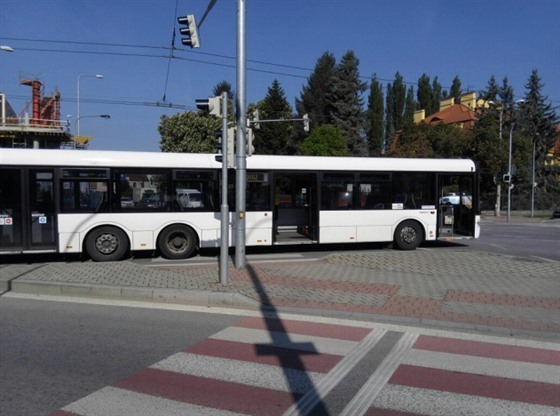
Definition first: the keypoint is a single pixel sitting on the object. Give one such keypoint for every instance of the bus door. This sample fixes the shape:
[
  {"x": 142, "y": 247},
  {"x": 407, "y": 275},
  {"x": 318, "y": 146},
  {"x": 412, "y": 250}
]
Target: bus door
[
  {"x": 296, "y": 214},
  {"x": 40, "y": 226},
  {"x": 11, "y": 211},
  {"x": 456, "y": 208}
]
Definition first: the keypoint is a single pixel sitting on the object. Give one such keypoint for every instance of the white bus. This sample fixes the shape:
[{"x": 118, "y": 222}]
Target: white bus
[{"x": 107, "y": 204}]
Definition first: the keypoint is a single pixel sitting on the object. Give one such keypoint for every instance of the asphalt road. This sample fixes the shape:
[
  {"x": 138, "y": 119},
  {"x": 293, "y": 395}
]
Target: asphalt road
[{"x": 52, "y": 353}]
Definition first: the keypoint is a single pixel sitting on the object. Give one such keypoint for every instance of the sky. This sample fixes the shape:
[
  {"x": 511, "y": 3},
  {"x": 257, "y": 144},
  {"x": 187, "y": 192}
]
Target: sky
[{"x": 59, "y": 42}]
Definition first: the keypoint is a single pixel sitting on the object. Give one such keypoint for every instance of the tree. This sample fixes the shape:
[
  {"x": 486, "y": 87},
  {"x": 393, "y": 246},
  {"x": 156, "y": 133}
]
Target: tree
[
  {"x": 399, "y": 97},
  {"x": 275, "y": 137},
  {"x": 389, "y": 116},
  {"x": 189, "y": 132},
  {"x": 346, "y": 103},
  {"x": 424, "y": 95},
  {"x": 455, "y": 90},
  {"x": 374, "y": 117},
  {"x": 492, "y": 90},
  {"x": 324, "y": 140},
  {"x": 436, "y": 95},
  {"x": 538, "y": 120},
  {"x": 409, "y": 109},
  {"x": 314, "y": 96}
]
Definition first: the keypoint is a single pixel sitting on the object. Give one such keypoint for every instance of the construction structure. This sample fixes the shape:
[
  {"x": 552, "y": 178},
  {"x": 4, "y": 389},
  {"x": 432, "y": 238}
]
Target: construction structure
[{"x": 39, "y": 129}]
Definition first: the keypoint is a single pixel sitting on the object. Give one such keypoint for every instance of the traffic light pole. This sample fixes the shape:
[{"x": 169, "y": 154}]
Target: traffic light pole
[
  {"x": 241, "y": 122},
  {"x": 224, "y": 234}
]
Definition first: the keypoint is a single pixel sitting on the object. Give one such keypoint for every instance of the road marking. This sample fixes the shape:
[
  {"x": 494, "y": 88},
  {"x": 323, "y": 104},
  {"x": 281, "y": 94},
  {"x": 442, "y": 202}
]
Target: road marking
[{"x": 371, "y": 389}]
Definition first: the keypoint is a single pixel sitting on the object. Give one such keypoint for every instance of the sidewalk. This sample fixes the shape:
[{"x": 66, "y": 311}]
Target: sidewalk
[{"x": 450, "y": 288}]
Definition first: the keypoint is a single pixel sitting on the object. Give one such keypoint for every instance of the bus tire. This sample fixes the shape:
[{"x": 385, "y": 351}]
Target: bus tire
[
  {"x": 409, "y": 235},
  {"x": 177, "y": 242},
  {"x": 106, "y": 244}
]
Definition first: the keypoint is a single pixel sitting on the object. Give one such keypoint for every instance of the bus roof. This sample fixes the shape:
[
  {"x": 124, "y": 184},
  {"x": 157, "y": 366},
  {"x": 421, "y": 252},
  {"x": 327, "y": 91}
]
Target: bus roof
[{"x": 104, "y": 158}]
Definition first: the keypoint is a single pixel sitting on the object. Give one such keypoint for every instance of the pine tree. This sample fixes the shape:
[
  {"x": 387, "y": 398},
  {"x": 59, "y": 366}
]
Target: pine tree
[
  {"x": 389, "y": 117},
  {"x": 346, "y": 103},
  {"x": 455, "y": 90},
  {"x": 539, "y": 121},
  {"x": 492, "y": 90},
  {"x": 375, "y": 115},
  {"x": 424, "y": 95},
  {"x": 409, "y": 108},
  {"x": 399, "y": 96},
  {"x": 313, "y": 97},
  {"x": 275, "y": 137},
  {"x": 436, "y": 95}
]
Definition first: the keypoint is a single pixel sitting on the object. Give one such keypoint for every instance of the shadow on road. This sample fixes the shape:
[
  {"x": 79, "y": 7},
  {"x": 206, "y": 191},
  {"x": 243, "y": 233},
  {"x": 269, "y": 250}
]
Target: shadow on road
[{"x": 289, "y": 355}]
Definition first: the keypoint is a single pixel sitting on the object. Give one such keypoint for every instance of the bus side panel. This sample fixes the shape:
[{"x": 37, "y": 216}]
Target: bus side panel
[
  {"x": 141, "y": 228},
  {"x": 371, "y": 225},
  {"x": 258, "y": 228}
]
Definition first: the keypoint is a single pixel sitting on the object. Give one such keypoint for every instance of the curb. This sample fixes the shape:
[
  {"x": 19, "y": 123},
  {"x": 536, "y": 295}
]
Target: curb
[{"x": 176, "y": 296}]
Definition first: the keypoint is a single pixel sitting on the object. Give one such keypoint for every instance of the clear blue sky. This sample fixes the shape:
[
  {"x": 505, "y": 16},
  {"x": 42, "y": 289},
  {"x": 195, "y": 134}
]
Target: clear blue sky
[{"x": 471, "y": 39}]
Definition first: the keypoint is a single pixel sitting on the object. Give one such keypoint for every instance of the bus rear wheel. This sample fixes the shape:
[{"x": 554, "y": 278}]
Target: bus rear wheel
[
  {"x": 106, "y": 244},
  {"x": 408, "y": 235},
  {"x": 177, "y": 242}
]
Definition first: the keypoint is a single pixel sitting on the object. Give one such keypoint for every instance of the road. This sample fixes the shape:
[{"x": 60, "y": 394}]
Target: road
[
  {"x": 114, "y": 360},
  {"x": 52, "y": 353}
]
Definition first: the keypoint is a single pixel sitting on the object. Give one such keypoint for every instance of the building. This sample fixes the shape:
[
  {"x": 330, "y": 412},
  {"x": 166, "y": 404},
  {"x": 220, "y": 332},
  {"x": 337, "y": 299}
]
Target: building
[{"x": 40, "y": 129}]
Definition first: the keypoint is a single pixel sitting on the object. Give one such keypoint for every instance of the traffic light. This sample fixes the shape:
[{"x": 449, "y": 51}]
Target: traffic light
[
  {"x": 306, "y": 122},
  {"x": 211, "y": 105},
  {"x": 230, "y": 147},
  {"x": 189, "y": 30},
  {"x": 507, "y": 178}
]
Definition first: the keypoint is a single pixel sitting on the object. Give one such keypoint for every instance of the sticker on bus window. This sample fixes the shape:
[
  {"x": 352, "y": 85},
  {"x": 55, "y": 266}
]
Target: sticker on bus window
[
  {"x": 398, "y": 206},
  {"x": 42, "y": 220},
  {"x": 6, "y": 220}
]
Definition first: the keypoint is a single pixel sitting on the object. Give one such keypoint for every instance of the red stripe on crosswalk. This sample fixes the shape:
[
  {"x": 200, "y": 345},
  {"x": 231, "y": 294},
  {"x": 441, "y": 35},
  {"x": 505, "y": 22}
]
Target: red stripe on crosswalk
[
  {"x": 63, "y": 413},
  {"x": 209, "y": 392},
  {"x": 266, "y": 354},
  {"x": 305, "y": 328},
  {"x": 487, "y": 349},
  {"x": 478, "y": 385}
]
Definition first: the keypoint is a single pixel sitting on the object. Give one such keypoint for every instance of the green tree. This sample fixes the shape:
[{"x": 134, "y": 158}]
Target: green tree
[
  {"x": 455, "y": 90},
  {"x": 188, "y": 132},
  {"x": 399, "y": 97},
  {"x": 538, "y": 122},
  {"x": 324, "y": 140},
  {"x": 314, "y": 96},
  {"x": 409, "y": 109},
  {"x": 274, "y": 138},
  {"x": 389, "y": 116},
  {"x": 346, "y": 103},
  {"x": 424, "y": 95},
  {"x": 437, "y": 95},
  {"x": 374, "y": 117}
]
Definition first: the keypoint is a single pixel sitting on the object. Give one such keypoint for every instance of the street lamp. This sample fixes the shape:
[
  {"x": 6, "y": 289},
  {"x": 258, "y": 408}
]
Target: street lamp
[
  {"x": 106, "y": 116},
  {"x": 78, "y": 98}
]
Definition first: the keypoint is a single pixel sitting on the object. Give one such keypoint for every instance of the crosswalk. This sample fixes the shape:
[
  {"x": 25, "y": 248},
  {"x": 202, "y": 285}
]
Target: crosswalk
[{"x": 270, "y": 366}]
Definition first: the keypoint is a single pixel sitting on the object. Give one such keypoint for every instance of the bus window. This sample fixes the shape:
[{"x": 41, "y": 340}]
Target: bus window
[
  {"x": 194, "y": 190},
  {"x": 84, "y": 196},
  {"x": 413, "y": 190},
  {"x": 258, "y": 192},
  {"x": 337, "y": 191},
  {"x": 141, "y": 190}
]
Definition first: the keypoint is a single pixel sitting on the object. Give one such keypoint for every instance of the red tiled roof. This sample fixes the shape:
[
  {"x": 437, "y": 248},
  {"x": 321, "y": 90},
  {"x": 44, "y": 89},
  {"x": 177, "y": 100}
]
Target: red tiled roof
[{"x": 457, "y": 113}]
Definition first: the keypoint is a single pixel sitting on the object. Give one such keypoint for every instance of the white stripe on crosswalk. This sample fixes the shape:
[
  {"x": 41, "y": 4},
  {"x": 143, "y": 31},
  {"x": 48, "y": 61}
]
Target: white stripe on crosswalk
[
  {"x": 435, "y": 402},
  {"x": 112, "y": 401},
  {"x": 518, "y": 370},
  {"x": 242, "y": 372},
  {"x": 279, "y": 339}
]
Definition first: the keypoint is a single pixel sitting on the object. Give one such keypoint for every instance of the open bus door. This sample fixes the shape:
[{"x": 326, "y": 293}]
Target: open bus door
[
  {"x": 296, "y": 214},
  {"x": 456, "y": 206},
  {"x": 27, "y": 211}
]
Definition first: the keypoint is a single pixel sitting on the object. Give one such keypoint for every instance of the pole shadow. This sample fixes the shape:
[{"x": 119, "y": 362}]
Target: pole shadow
[{"x": 289, "y": 353}]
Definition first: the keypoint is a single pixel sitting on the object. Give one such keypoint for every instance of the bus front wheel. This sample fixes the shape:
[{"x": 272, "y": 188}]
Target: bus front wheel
[
  {"x": 106, "y": 244},
  {"x": 177, "y": 242},
  {"x": 408, "y": 235}
]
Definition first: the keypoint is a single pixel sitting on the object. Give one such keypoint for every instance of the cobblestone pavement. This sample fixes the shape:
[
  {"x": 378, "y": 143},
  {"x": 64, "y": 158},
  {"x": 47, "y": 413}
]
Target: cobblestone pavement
[{"x": 436, "y": 287}]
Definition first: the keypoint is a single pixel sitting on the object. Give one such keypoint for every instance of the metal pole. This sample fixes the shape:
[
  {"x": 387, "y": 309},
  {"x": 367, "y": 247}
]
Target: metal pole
[
  {"x": 241, "y": 154},
  {"x": 533, "y": 183},
  {"x": 499, "y": 186},
  {"x": 509, "y": 173},
  {"x": 224, "y": 236}
]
